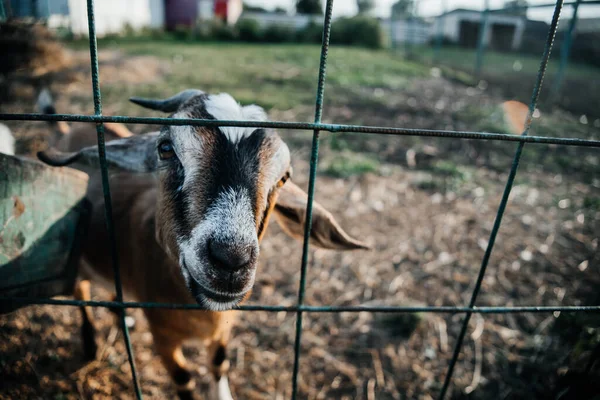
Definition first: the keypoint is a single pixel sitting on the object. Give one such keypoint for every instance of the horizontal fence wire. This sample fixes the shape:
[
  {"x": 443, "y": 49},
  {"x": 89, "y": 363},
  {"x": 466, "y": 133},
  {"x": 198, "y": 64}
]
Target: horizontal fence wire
[
  {"x": 316, "y": 127},
  {"x": 334, "y": 128},
  {"x": 305, "y": 308}
]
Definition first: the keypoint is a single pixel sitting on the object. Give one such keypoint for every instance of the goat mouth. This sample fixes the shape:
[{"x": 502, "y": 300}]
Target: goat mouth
[{"x": 201, "y": 293}]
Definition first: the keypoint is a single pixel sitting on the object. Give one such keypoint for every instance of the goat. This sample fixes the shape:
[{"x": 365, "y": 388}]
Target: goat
[{"x": 190, "y": 207}]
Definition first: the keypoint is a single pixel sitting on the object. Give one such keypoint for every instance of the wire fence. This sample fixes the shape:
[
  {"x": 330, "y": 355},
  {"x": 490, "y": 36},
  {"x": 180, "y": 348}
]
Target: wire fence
[{"x": 317, "y": 126}]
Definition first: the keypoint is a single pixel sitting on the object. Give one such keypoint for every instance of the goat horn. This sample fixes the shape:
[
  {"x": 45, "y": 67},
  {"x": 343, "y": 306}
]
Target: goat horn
[
  {"x": 57, "y": 158},
  {"x": 167, "y": 105}
]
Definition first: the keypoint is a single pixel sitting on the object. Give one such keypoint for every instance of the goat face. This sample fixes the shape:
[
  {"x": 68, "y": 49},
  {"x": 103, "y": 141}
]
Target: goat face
[
  {"x": 217, "y": 190},
  {"x": 218, "y": 187}
]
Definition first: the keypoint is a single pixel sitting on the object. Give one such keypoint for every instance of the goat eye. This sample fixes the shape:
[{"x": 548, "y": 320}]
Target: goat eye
[
  {"x": 165, "y": 150},
  {"x": 283, "y": 180}
]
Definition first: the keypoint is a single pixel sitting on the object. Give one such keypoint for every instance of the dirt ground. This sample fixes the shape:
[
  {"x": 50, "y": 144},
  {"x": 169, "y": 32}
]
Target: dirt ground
[{"x": 429, "y": 229}]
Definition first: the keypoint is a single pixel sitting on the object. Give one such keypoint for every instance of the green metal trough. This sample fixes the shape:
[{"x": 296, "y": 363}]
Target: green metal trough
[{"x": 43, "y": 219}]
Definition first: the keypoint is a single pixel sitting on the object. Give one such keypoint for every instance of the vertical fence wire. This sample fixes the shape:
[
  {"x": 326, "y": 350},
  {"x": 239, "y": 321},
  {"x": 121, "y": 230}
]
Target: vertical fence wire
[
  {"x": 481, "y": 39},
  {"x": 507, "y": 189},
  {"x": 441, "y": 25},
  {"x": 407, "y": 37},
  {"x": 106, "y": 190},
  {"x": 565, "y": 52},
  {"x": 314, "y": 158},
  {"x": 410, "y": 30},
  {"x": 392, "y": 31}
]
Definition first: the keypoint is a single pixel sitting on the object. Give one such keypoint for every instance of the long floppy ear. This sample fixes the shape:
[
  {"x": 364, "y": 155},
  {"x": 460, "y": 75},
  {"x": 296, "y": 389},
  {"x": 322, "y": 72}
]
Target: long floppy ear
[
  {"x": 326, "y": 232},
  {"x": 135, "y": 153},
  {"x": 167, "y": 105}
]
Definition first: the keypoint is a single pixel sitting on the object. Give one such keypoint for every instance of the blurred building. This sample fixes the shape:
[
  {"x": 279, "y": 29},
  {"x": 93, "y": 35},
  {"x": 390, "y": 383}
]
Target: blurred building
[
  {"x": 411, "y": 30},
  {"x": 297, "y": 21},
  {"x": 188, "y": 12},
  {"x": 36, "y": 8},
  {"x": 585, "y": 45},
  {"x": 113, "y": 16},
  {"x": 462, "y": 27},
  {"x": 583, "y": 25},
  {"x": 180, "y": 13},
  {"x": 228, "y": 10},
  {"x": 534, "y": 37}
]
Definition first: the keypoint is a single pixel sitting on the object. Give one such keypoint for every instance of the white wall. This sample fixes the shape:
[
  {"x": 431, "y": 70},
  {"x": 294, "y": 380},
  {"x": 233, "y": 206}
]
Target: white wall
[
  {"x": 451, "y": 25},
  {"x": 234, "y": 11},
  {"x": 206, "y": 9},
  {"x": 401, "y": 31},
  {"x": 111, "y": 16},
  {"x": 293, "y": 21}
]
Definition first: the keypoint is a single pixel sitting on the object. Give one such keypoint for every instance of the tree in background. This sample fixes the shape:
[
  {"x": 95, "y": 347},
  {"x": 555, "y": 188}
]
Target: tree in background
[
  {"x": 309, "y": 7},
  {"x": 516, "y": 3},
  {"x": 403, "y": 9},
  {"x": 280, "y": 10},
  {"x": 365, "y": 6}
]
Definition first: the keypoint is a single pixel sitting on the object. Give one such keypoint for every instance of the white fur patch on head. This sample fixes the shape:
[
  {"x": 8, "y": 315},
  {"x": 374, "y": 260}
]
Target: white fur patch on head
[
  {"x": 277, "y": 164},
  {"x": 188, "y": 146},
  {"x": 223, "y": 107},
  {"x": 230, "y": 218}
]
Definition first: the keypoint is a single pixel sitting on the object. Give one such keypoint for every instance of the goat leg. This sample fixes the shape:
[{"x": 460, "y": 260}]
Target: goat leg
[{"x": 88, "y": 330}]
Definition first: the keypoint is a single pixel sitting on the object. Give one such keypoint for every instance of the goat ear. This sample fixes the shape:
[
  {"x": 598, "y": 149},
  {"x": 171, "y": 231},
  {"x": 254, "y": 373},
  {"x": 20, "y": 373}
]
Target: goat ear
[
  {"x": 326, "y": 233},
  {"x": 136, "y": 153}
]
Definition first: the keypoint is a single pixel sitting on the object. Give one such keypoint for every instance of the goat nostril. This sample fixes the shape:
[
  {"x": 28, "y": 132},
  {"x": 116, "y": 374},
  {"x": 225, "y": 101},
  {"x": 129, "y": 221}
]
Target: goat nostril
[{"x": 228, "y": 256}]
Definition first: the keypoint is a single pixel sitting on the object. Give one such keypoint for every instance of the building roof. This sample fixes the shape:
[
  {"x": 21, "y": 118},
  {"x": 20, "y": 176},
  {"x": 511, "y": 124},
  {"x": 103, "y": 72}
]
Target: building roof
[
  {"x": 458, "y": 10},
  {"x": 496, "y": 13}
]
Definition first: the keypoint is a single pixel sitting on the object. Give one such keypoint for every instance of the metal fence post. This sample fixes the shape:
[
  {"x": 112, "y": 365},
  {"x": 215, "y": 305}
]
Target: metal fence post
[
  {"x": 565, "y": 51},
  {"x": 314, "y": 158},
  {"x": 481, "y": 40},
  {"x": 505, "y": 196},
  {"x": 407, "y": 35},
  {"x": 410, "y": 27},
  {"x": 441, "y": 21},
  {"x": 106, "y": 189},
  {"x": 392, "y": 31}
]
